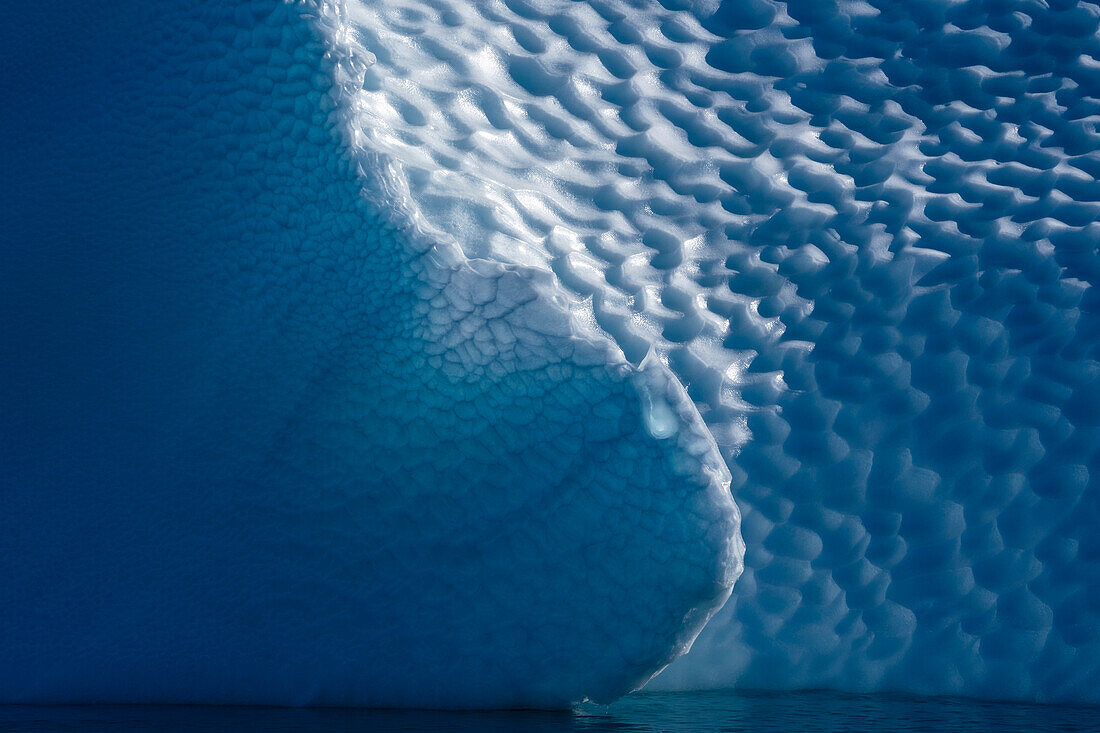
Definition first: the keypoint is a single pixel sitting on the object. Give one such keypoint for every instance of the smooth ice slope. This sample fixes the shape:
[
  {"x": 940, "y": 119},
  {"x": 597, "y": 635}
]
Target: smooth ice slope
[
  {"x": 263, "y": 441},
  {"x": 864, "y": 237}
]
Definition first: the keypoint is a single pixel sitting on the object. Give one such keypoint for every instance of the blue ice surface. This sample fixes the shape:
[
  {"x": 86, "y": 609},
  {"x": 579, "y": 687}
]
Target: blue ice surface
[
  {"x": 264, "y": 443},
  {"x": 863, "y": 236},
  {"x": 261, "y": 446}
]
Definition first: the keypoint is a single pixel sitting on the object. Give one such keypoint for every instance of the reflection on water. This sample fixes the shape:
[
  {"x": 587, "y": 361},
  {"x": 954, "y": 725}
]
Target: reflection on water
[{"x": 642, "y": 713}]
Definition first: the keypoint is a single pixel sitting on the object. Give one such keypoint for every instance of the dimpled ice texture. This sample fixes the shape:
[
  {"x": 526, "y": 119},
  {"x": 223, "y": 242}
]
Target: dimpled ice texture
[
  {"x": 863, "y": 235},
  {"x": 397, "y": 352}
]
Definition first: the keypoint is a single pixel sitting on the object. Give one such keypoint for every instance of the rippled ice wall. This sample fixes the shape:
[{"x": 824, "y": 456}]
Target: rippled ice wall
[
  {"x": 863, "y": 236},
  {"x": 263, "y": 442},
  {"x": 403, "y": 353}
]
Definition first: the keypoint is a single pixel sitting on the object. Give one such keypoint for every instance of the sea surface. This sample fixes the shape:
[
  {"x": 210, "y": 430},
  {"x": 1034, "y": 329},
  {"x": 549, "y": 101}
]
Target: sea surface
[{"x": 642, "y": 713}]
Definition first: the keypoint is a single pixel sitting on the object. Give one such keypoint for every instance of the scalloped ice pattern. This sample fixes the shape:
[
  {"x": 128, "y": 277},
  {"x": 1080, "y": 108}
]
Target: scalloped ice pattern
[
  {"x": 863, "y": 235},
  {"x": 265, "y": 442}
]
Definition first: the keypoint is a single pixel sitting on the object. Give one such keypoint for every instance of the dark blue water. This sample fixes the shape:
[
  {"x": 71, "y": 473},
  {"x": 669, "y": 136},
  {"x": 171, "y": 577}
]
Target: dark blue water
[{"x": 642, "y": 713}]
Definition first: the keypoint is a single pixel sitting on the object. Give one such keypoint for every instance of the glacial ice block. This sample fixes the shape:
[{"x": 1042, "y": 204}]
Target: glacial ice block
[
  {"x": 863, "y": 235},
  {"x": 265, "y": 441}
]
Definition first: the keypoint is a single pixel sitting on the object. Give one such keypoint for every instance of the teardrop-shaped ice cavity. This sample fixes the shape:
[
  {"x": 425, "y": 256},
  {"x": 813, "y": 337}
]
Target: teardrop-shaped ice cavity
[{"x": 268, "y": 440}]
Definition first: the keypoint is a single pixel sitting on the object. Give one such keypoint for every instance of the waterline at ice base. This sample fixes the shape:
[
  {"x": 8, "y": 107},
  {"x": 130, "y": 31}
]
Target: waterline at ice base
[{"x": 476, "y": 354}]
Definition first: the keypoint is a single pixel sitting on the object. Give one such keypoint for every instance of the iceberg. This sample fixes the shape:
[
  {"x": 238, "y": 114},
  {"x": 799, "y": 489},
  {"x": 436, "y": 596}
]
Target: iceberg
[{"x": 450, "y": 354}]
